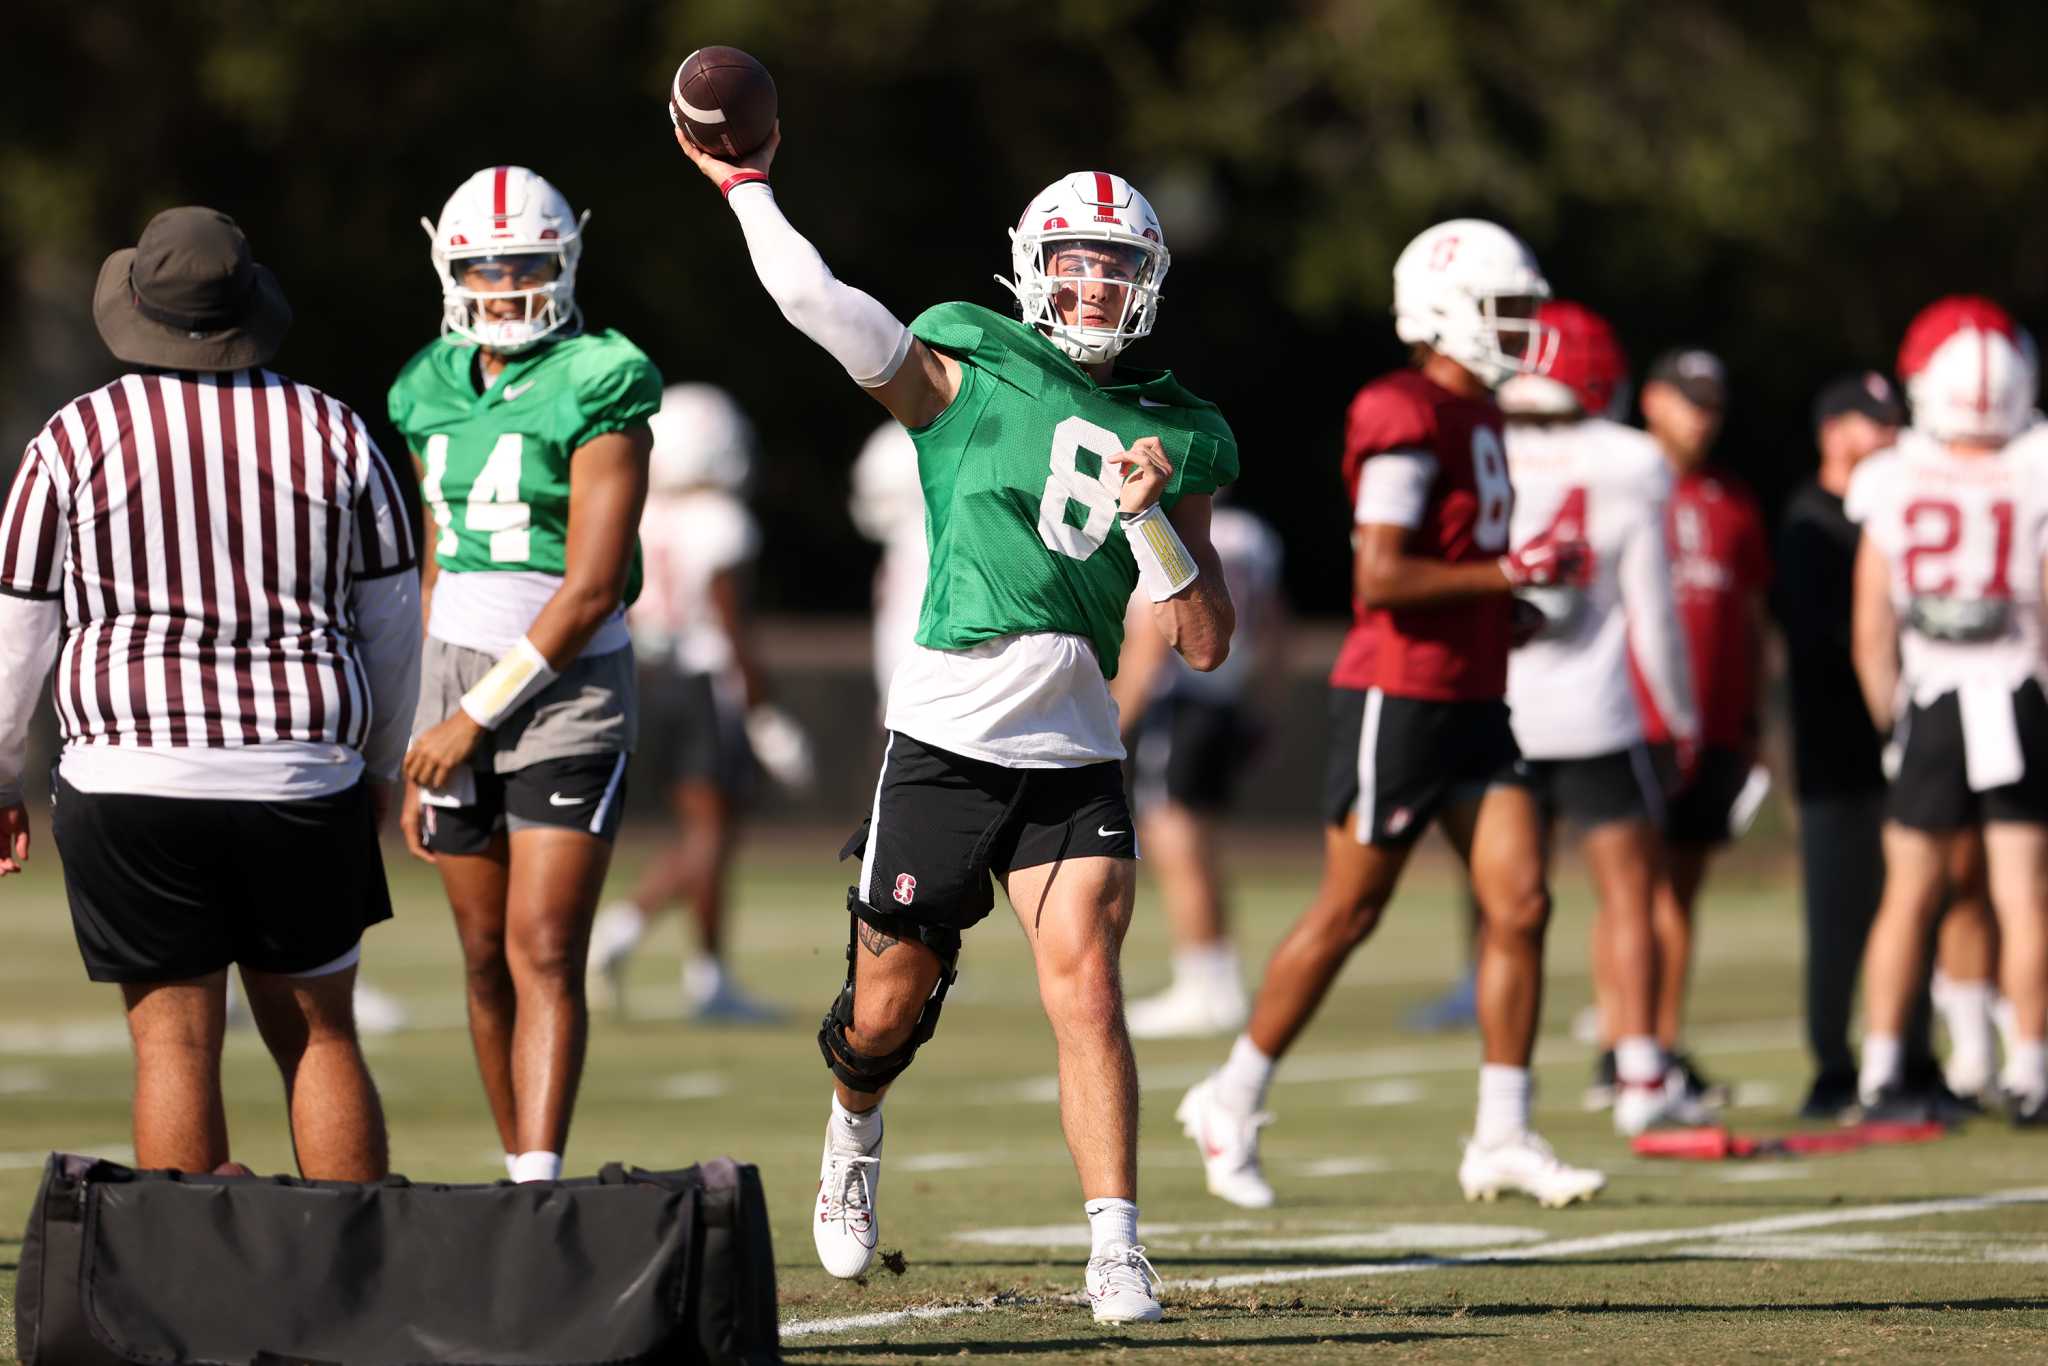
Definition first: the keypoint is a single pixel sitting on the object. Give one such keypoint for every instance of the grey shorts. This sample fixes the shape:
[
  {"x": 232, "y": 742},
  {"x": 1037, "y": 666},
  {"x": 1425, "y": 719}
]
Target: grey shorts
[{"x": 591, "y": 709}]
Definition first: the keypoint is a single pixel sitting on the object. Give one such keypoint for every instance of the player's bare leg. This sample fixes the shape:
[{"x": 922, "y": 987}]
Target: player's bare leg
[
  {"x": 1965, "y": 988},
  {"x": 1622, "y": 858},
  {"x": 1685, "y": 868},
  {"x": 1501, "y": 839},
  {"x": 476, "y": 886},
  {"x": 1894, "y": 960},
  {"x": 1207, "y": 992},
  {"x": 177, "y": 1029},
  {"x": 1075, "y": 914},
  {"x": 2017, "y": 854},
  {"x": 556, "y": 876},
  {"x": 308, "y": 1024}
]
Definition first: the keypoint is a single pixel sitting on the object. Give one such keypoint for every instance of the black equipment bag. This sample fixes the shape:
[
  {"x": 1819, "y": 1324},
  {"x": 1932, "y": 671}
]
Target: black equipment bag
[{"x": 122, "y": 1266}]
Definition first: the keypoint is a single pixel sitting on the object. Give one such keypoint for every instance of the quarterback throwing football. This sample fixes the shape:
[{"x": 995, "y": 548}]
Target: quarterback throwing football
[
  {"x": 1055, "y": 482},
  {"x": 531, "y": 438}
]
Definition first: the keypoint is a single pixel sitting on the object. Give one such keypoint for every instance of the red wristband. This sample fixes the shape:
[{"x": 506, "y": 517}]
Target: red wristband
[{"x": 739, "y": 178}]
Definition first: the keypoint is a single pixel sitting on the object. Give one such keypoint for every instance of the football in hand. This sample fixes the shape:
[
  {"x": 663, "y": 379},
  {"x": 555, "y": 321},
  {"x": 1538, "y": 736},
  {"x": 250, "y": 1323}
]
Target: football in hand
[{"x": 724, "y": 100}]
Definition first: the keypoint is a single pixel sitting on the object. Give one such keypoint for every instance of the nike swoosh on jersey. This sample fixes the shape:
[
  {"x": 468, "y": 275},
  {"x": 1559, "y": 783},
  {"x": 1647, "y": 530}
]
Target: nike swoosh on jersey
[
  {"x": 513, "y": 391},
  {"x": 1106, "y": 832},
  {"x": 557, "y": 799}
]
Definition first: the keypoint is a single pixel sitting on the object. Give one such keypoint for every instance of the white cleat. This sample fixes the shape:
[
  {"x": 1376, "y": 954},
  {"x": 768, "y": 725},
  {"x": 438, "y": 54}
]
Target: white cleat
[
  {"x": 1638, "y": 1107},
  {"x": 843, "y": 1226},
  {"x": 1188, "y": 1010},
  {"x": 1229, "y": 1141},
  {"x": 1525, "y": 1165},
  {"x": 1121, "y": 1285}
]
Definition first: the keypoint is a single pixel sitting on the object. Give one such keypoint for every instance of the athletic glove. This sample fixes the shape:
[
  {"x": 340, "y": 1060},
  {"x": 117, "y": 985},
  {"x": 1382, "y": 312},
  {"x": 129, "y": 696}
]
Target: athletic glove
[{"x": 1544, "y": 563}]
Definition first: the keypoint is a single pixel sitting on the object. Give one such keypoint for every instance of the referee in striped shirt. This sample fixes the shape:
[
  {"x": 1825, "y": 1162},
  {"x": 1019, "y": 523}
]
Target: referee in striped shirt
[{"x": 222, "y": 568}]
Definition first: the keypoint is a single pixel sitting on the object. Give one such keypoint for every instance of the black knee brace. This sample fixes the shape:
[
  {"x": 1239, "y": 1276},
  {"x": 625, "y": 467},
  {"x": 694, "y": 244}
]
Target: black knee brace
[{"x": 870, "y": 1072}]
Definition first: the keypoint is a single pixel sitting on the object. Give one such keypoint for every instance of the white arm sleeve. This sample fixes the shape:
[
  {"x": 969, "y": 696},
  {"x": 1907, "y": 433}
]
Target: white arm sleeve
[
  {"x": 29, "y": 628},
  {"x": 387, "y": 616},
  {"x": 859, "y": 333},
  {"x": 1651, "y": 611},
  {"x": 1393, "y": 488}
]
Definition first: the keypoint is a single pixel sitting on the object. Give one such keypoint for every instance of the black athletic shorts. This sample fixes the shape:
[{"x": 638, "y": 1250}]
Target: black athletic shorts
[
  {"x": 1699, "y": 812},
  {"x": 1623, "y": 785},
  {"x": 944, "y": 825},
  {"x": 1398, "y": 760},
  {"x": 167, "y": 888},
  {"x": 585, "y": 792},
  {"x": 1932, "y": 788},
  {"x": 1192, "y": 752},
  {"x": 689, "y": 732}
]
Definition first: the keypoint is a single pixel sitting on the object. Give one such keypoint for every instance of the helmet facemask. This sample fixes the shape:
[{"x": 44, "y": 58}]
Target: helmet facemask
[
  {"x": 542, "y": 285},
  {"x": 1092, "y": 295}
]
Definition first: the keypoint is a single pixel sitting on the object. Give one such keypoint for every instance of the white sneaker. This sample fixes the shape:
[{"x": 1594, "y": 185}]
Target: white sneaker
[
  {"x": 378, "y": 1012},
  {"x": 1189, "y": 1009},
  {"x": 715, "y": 997},
  {"x": 1229, "y": 1140},
  {"x": 1120, "y": 1286},
  {"x": 844, "y": 1228},
  {"x": 1526, "y": 1165},
  {"x": 1638, "y": 1107}
]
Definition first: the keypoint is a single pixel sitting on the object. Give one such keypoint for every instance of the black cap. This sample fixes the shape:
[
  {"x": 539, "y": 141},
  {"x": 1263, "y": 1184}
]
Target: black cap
[
  {"x": 1696, "y": 373},
  {"x": 1866, "y": 392}
]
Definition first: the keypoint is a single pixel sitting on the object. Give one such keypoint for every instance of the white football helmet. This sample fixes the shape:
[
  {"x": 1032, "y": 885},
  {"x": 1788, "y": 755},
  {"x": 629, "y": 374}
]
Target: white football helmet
[
  {"x": 1970, "y": 371},
  {"x": 1448, "y": 287},
  {"x": 1102, "y": 211},
  {"x": 504, "y": 212},
  {"x": 888, "y": 493},
  {"x": 701, "y": 439}
]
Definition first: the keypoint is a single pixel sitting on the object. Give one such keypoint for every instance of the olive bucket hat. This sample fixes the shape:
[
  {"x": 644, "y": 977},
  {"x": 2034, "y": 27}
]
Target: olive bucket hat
[{"x": 189, "y": 296}]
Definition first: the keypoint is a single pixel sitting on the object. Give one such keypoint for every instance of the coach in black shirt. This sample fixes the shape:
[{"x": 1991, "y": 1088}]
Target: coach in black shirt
[{"x": 1840, "y": 769}]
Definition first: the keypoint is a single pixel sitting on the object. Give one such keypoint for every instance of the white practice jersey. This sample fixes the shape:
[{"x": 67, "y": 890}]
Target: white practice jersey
[
  {"x": 888, "y": 507},
  {"x": 686, "y": 540},
  {"x": 1249, "y": 550},
  {"x": 1965, "y": 537},
  {"x": 1569, "y": 689}
]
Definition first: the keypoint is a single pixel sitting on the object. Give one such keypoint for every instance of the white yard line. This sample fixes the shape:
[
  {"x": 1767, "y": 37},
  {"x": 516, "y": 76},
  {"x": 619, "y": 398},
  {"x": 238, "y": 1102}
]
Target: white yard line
[{"x": 1562, "y": 1247}]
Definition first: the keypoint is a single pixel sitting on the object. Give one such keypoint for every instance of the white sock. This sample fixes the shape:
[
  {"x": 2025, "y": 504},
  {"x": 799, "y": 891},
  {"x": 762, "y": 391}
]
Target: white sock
[
  {"x": 2026, "y": 1068},
  {"x": 1112, "y": 1226},
  {"x": 703, "y": 977},
  {"x": 512, "y": 1165},
  {"x": 1973, "y": 1040},
  {"x": 1638, "y": 1061},
  {"x": 1503, "y": 1104},
  {"x": 1245, "y": 1076},
  {"x": 537, "y": 1166},
  {"x": 1203, "y": 964},
  {"x": 617, "y": 930},
  {"x": 1884, "y": 1061},
  {"x": 862, "y": 1130}
]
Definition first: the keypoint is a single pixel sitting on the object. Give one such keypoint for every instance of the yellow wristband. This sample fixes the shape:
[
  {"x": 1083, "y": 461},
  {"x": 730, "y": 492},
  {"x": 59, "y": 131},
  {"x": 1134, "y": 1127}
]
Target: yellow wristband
[{"x": 1164, "y": 565}]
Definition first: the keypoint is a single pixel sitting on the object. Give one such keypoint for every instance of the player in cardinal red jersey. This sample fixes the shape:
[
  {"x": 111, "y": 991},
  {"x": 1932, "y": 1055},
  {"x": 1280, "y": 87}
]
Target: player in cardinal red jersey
[
  {"x": 1579, "y": 473},
  {"x": 1420, "y": 730},
  {"x": 1949, "y": 647},
  {"x": 1720, "y": 569}
]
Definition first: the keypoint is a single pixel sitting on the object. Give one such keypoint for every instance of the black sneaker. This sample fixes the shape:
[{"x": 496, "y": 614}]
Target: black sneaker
[
  {"x": 1831, "y": 1097},
  {"x": 2025, "y": 1112},
  {"x": 1600, "y": 1094},
  {"x": 1896, "y": 1105},
  {"x": 1697, "y": 1087}
]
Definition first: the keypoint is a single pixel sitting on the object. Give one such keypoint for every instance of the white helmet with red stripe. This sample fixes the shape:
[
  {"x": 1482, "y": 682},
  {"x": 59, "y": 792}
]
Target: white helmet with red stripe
[
  {"x": 1088, "y": 225},
  {"x": 508, "y": 214},
  {"x": 1468, "y": 288},
  {"x": 1970, "y": 370},
  {"x": 701, "y": 440}
]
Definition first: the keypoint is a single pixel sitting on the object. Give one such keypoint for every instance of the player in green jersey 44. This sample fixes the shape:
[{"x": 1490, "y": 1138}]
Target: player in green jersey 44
[{"x": 1056, "y": 482}]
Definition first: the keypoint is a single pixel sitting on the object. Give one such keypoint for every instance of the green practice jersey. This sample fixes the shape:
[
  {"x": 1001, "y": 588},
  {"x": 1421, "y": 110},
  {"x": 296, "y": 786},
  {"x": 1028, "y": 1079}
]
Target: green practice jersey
[
  {"x": 1020, "y": 496},
  {"x": 497, "y": 462}
]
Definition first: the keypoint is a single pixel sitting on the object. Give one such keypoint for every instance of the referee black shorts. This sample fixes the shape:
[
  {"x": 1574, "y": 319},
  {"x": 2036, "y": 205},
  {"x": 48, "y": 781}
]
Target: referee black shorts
[{"x": 167, "y": 888}]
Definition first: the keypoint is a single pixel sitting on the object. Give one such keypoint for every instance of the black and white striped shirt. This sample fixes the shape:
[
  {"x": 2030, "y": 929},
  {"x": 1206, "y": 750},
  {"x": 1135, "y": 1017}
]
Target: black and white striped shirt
[{"x": 211, "y": 539}]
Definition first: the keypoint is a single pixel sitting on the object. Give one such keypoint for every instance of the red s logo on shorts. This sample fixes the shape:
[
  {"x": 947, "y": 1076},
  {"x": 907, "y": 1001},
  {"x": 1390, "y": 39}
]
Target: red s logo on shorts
[{"x": 906, "y": 888}]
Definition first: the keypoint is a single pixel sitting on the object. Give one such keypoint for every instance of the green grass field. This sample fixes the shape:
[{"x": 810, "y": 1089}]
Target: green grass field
[{"x": 1931, "y": 1252}]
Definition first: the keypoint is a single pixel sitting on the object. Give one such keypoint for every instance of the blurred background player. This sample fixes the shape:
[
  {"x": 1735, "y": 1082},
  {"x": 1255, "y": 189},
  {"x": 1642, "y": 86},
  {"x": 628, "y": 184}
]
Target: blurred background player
[
  {"x": 531, "y": 439},
  {"x": 1580, "y": 475},
  {"x": 887, "y": 505},
  {"x": 1949, "y": 646},
  {"x": 701, "y": 694},
  {"x": 1192, "y": 735},
  {"x": 1720, "y": 570},
  {"x": 1419, "y": 725},
  {"x": 1059, "y": 482}
]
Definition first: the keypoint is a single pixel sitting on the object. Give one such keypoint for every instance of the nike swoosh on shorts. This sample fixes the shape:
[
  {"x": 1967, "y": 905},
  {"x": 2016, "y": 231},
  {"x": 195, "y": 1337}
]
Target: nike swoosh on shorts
[{"x": 557, "y": 799}]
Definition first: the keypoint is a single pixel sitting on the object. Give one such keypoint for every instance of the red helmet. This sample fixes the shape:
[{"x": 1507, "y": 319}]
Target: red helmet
[
  {"x": 1969, "y": 370},
  {"x": 1588, "y": 373}
]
